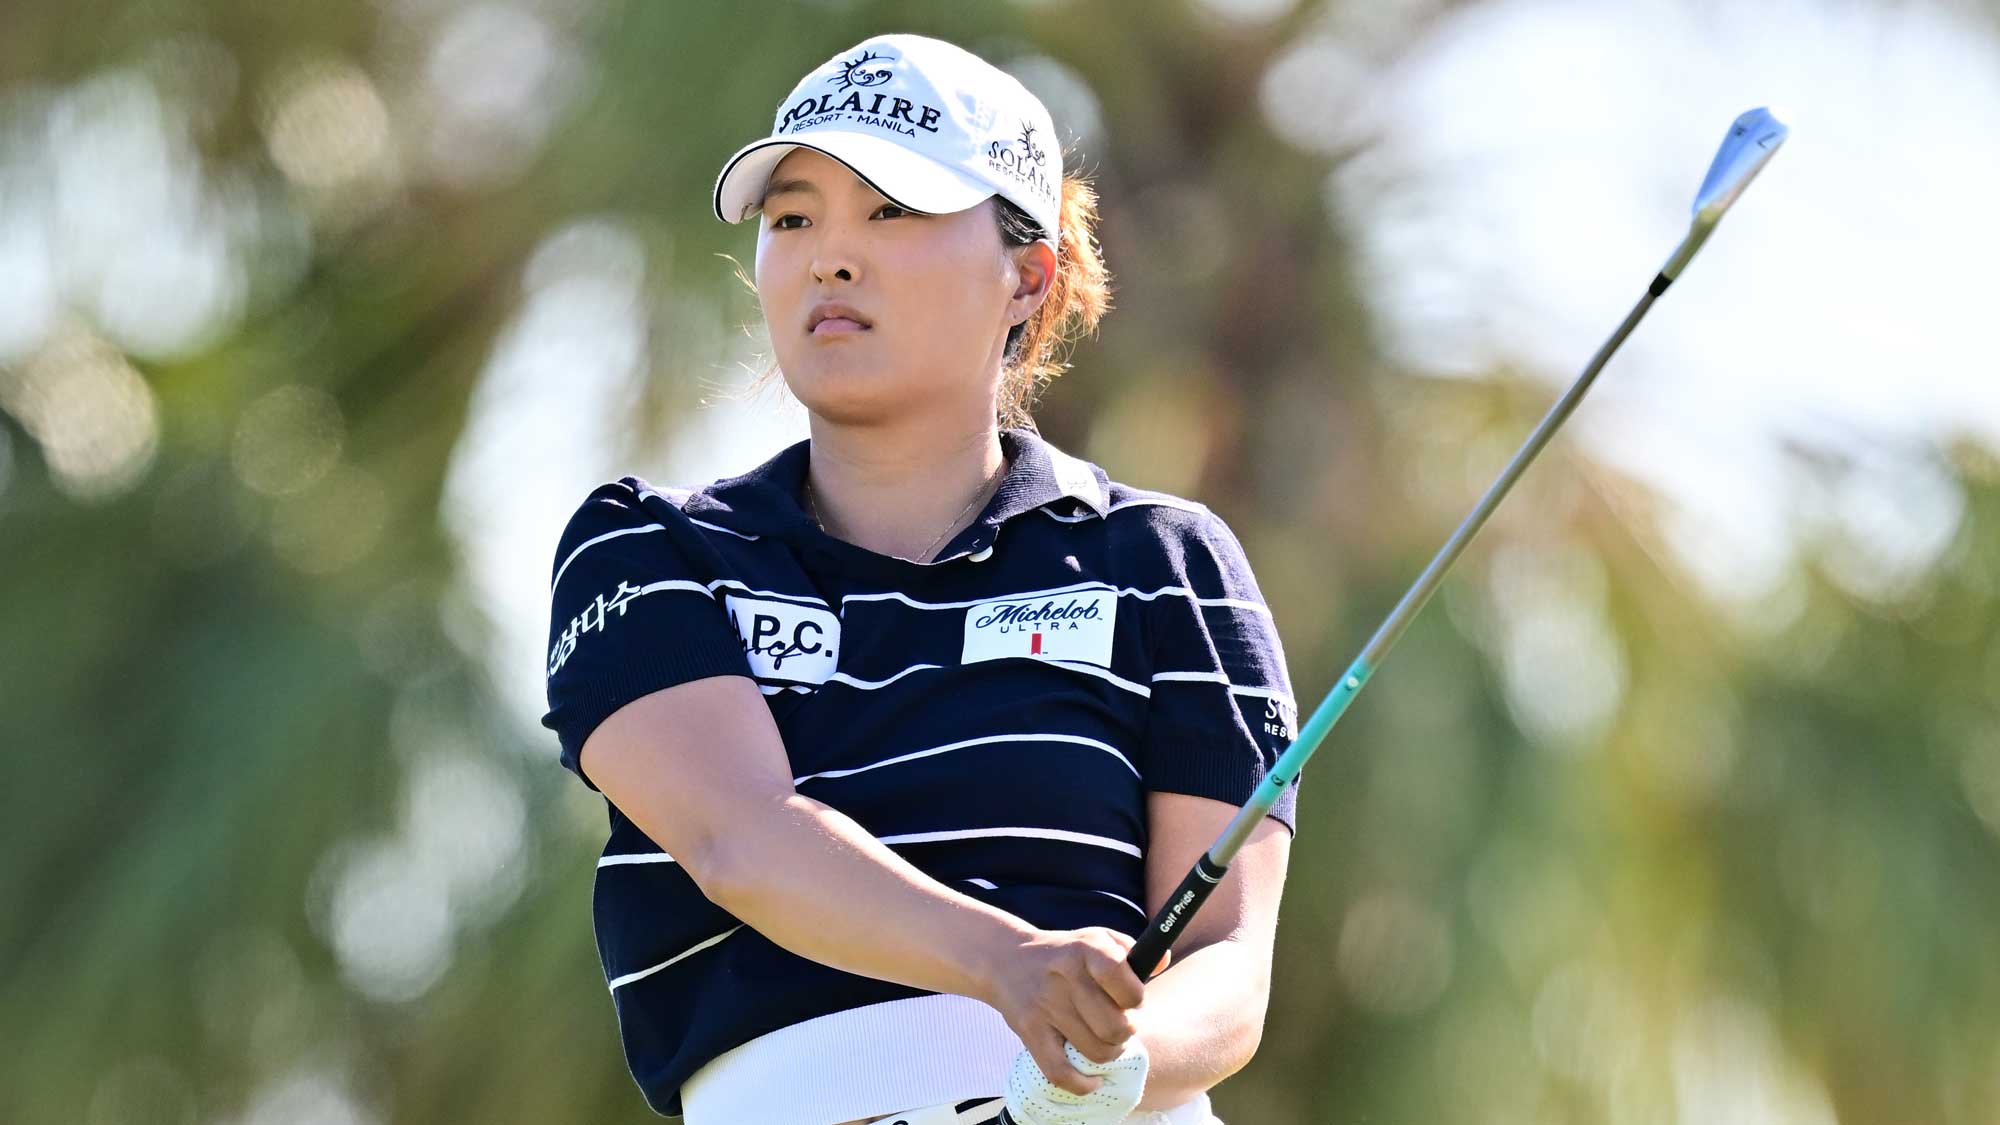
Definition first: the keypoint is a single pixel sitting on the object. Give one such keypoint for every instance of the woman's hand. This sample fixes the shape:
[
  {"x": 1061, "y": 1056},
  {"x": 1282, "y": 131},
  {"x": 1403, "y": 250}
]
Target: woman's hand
[
  {"x": 1068, "y": 985},
  {"x": 1031, "y": 1100}
]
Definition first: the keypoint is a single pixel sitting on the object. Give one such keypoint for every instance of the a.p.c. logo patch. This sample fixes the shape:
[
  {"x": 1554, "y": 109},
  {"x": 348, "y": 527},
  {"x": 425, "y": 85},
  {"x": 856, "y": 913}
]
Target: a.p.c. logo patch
[{"x": 785, "y": 640}]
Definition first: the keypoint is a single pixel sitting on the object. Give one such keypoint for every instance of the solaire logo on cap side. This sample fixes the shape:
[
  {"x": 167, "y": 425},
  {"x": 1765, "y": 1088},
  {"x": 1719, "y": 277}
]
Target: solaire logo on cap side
[
  {"x": 1023, "y": 160},
  {"x": 855, "y": 72},
  {"x": 882, "y": 110}
]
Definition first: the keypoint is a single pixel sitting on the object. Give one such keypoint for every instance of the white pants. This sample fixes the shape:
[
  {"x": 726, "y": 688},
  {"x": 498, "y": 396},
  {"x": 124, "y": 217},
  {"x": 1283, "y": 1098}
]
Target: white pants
[{"x": 1196, "y": 1112}]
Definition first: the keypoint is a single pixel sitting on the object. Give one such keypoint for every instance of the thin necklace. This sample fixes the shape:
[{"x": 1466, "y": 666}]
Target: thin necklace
[{"x": 983, "y": 485}]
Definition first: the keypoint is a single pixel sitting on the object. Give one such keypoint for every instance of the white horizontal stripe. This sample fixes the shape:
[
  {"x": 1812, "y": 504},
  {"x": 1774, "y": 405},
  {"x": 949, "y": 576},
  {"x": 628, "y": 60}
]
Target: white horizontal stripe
[
  {"x": 642, "y": 974},
  {"x": 724, "y": 530},
  {"x": 1262, "y": 692},
  {"x": 634, "y": 857},
  {"x": 806, "y": 599},
  {"x": 642, "y": 493},
  {"x": 987, "y": 740},
  {"x": 1235, "y": 603},
  {"x": 1107, "y": 894},
  {"x": 1232, "y": 603},
  {"x": 675, "y": 584},
  {"x": 775, "y": 689},
  {"x": 1161, "y": 501},
  {"x": 927, "y": 838},
  {"x": 1073, "y": 665},
  {"x": 1104, "y": 674},
  {"x": 589, "y": 543},
  {"x": 1192, "y": 677},
  {"x": 1073, "y": 588},
  {"x": 1137, "y": 502},
  {"x": 871, "y": 685},
  {"x": 898, "y": 596},
  {"x": 1219, "y": 678},
  {"x": 1126, "y": 901},
  {"x": 1015, "y": 833}
]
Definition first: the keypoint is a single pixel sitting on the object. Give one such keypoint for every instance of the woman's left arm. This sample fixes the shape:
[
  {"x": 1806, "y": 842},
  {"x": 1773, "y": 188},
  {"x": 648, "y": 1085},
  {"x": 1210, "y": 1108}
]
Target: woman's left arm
[{"x": 1204, "y": 1016}]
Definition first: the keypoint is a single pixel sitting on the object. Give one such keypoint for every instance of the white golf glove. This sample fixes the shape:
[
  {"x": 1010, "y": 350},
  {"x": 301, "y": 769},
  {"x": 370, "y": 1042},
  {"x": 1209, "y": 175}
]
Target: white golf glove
[{"x": 1034, "y": 1100}]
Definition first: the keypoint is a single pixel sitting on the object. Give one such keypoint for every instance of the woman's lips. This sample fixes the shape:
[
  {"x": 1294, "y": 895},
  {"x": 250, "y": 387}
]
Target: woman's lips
[{"x": 835, "y": 318}]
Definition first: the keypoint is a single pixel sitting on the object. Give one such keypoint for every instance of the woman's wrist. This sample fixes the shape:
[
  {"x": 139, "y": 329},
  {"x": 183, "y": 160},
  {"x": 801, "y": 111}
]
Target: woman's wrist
[{"x": 995, "y": 947}]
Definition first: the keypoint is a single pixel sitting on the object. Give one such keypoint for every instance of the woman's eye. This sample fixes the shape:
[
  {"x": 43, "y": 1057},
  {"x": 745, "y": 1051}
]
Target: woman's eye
[{"x": 795, "y": 221}]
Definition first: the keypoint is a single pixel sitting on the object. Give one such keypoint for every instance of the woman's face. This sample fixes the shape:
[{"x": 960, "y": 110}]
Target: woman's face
[{"x": 926, "y": 300}]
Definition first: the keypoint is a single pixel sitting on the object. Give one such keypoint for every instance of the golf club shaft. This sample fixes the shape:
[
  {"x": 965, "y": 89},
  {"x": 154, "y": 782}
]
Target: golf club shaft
[
  {"x": 1208, "y": 871},
  {"x": 1751, "y": 141}
]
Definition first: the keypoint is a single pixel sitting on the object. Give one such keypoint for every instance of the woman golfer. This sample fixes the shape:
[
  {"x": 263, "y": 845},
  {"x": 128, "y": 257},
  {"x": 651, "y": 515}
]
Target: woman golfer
[{"x": 906, "y": 731}]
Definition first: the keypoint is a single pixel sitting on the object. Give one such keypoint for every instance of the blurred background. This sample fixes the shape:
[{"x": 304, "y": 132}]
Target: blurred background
[{"x": 1680, "y": 804}]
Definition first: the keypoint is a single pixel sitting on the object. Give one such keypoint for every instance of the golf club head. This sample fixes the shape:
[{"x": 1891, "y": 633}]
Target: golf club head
[{"x": 1752, "y": 138}]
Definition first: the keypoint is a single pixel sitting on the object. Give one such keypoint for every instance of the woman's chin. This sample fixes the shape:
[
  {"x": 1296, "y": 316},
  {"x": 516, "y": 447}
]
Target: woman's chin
[{"x": 849, "y": 394}]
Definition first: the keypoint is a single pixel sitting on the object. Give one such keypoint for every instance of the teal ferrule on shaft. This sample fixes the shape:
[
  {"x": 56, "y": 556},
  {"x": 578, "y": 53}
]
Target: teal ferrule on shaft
[{"x": 1286, "y": 769}]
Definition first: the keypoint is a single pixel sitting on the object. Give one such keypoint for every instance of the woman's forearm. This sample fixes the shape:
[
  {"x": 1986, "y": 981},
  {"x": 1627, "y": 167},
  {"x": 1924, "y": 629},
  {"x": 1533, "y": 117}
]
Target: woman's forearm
[
  {"x": 1202, "y": 1020},
  {"x": 810, "y": 879}
]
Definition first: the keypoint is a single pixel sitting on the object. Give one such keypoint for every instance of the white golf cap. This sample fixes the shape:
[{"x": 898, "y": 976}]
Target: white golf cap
[{"x": 930, "y": 125}]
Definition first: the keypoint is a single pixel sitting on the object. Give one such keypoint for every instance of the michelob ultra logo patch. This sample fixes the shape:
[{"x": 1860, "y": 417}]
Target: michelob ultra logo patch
[
  {"x": 785, "y": 640},
  {"x": 1070, "y": 626}
]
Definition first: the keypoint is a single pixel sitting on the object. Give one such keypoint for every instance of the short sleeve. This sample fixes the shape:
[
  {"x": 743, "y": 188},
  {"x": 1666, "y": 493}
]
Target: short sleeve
[
  {"x": 1221, "y": 709},
  {"x": 630, "y": 613}
]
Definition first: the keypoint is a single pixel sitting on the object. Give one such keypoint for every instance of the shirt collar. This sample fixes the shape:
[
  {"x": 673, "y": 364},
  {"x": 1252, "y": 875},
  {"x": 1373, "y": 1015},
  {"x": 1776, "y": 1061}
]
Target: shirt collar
[{"x": 766, "y": 500}]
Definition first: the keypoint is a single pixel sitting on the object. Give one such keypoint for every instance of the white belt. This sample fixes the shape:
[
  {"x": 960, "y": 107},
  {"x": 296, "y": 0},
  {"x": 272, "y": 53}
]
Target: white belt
[
  {"x": 1196, "y": 1112},
  {"x": 838, "y": 1067}
]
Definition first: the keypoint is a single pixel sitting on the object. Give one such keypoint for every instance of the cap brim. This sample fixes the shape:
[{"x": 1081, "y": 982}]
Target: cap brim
[{"x": 900, "y": 175}]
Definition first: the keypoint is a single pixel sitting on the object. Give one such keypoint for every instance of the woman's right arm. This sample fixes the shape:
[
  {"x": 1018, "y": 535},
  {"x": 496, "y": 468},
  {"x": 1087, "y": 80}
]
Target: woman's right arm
[{"x": 701, "y": 769}]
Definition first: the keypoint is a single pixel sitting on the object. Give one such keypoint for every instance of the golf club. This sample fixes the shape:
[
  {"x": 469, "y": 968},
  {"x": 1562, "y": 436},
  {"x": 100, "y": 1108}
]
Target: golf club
[{"x": 1753, "y": 137}]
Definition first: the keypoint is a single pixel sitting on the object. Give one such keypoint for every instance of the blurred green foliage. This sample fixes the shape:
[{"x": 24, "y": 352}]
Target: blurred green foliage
[{"x": 1605, "y": 844}]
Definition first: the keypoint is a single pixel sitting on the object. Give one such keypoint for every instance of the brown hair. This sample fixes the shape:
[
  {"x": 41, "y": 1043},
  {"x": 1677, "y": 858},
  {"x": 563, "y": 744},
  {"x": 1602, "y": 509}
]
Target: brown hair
[
  {"x": 1038, "y": 348},
  {"x": 1079, "y": 294}
]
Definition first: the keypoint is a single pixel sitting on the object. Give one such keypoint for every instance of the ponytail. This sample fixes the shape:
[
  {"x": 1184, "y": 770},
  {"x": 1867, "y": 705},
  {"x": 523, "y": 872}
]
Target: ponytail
[{"x": 1038, "y": 348}]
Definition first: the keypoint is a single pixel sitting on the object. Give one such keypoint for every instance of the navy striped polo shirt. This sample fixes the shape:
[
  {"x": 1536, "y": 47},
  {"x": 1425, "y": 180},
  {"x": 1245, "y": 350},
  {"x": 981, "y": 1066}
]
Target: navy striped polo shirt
[{"x": 996, "y": 716}]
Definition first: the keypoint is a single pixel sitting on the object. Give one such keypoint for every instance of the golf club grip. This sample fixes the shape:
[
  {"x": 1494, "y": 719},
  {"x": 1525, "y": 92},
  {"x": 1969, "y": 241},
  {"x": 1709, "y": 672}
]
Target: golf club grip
[{"x": 1152, "y": 946}]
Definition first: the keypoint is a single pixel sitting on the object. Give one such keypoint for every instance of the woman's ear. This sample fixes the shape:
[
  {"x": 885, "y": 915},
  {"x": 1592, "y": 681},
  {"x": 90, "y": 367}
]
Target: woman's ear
[{"x": 1034, "y": 273}]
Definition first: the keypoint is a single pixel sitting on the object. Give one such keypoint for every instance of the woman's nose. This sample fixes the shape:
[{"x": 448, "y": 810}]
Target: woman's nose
[
  {"x": 833, "y": 259},
  {"x": 824, "y": 268}
]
